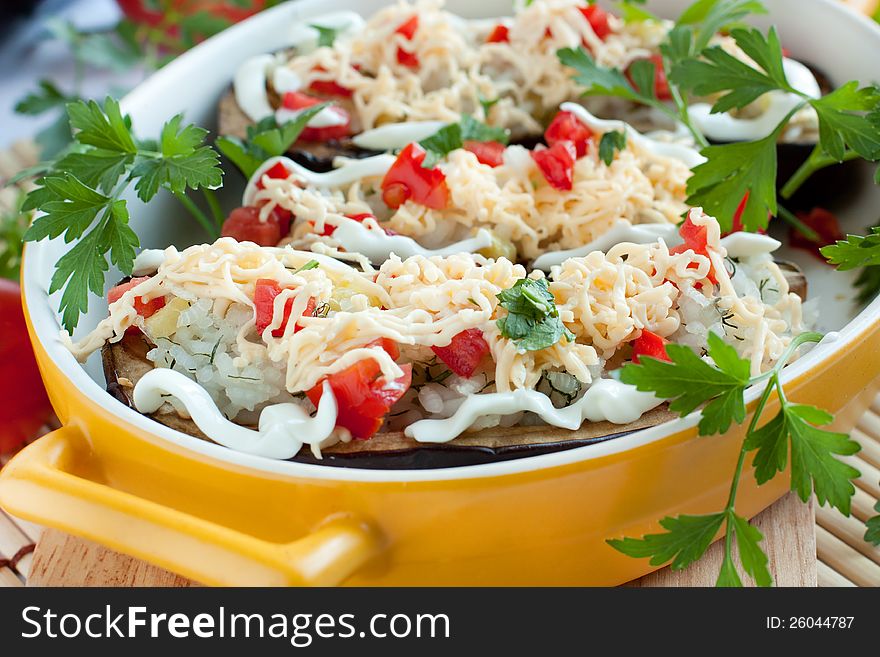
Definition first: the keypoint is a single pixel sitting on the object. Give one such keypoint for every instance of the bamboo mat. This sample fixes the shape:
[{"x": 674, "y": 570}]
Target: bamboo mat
[{"x": 845, "y": 559}]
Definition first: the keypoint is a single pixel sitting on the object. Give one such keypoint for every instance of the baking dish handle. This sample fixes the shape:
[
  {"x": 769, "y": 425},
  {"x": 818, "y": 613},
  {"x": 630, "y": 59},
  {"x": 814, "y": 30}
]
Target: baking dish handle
[{"x": 38, "y": 485}]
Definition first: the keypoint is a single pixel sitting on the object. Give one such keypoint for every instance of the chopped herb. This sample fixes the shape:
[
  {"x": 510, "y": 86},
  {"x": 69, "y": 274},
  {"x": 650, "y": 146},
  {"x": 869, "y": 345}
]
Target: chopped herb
[
  {"x": 452, "y": 137},
  {"x": 610, "y": 143},
  {"x": 326, "y": 35},
  {"x": 532, "y": 319},
  {"x": 311, "y": 264}
]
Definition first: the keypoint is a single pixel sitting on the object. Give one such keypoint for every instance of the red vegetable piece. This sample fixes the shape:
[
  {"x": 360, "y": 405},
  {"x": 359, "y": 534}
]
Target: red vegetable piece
[
  {"x": 490, "y": 153},
  {"x": 826, "y": 227},
  {"x": 265, "y": 291},
  {"x": 408, "y": 30},
  {"x": 143, "y": 308},
  {"x": 244, "y": 225},
  {"x": 557, "y": 164},
  {"x": 649, "y": 344},
  {"x": 565, "y": 126},
  {"x": 598, "y": 19},
  {"x": 696, "y": 239},
  {"x": 464, "y": 353},
  {"x": 408, "y": 180},
  {"x": 500, "y": 34},
  {"x": 661, "y": 84}
]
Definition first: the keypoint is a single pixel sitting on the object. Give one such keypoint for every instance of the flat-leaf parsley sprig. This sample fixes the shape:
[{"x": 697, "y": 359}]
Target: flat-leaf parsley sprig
[
  {"x": 855, "y": 252},
  {"x": 532, "y": 319},
  {"x": 80, "y": 194},
  {"x": 689, "y": 381}
]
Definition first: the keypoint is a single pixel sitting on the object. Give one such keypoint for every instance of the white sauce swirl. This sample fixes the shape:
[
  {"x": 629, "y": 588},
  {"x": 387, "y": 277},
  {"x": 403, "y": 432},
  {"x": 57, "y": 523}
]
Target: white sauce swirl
[
  {"x": 378, "y": 246},
  {"x": 396, "y": 135},
  {"x": 283, "y": 428}
]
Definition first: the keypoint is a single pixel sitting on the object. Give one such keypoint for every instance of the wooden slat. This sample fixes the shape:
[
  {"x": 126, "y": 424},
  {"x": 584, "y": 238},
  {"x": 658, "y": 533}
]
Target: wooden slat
[
  {"x": 12, "y": 541},
  {"x": 849, "y": 563},
  {"x": 827, "y": 576},
  {"x": 849, "y": 530}
]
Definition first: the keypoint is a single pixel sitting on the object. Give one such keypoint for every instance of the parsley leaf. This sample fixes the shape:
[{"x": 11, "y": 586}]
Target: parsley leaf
[
  {"x": 872, "y": 535},
  {"x": 843, "y": 122},
  {"x": 751, "y": 556},
  {"x": 326, "y": 35},
  {"x": 264, "y": 140},
  {"x": 47, "y": 97},
  {"x": 708, "y": 17},
  {"x": 79, "y": 195},
  {"x": 732, "y": 170},
  {"x": 855, "y": 251},
  {"x": 610, "y": 143},
  {"x": 598, "y": 80},
  {"x": 717, "y": 71},
  {"x": 689, "y": 381},
  {"x": 633, "y": 11},
  {"x": 685, "y": 540},
  {"x": 532, "y": 319},
  {"x": 452, "y": 137}
]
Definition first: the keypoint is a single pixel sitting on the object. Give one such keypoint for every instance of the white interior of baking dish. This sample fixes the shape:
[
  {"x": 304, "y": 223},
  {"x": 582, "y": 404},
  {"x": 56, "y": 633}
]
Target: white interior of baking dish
[{"x": 821, "y": 32}]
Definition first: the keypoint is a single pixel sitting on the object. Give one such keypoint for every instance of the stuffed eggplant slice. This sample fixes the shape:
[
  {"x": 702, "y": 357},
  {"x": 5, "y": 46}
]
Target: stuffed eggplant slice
[{"x": 430, "y": 361}]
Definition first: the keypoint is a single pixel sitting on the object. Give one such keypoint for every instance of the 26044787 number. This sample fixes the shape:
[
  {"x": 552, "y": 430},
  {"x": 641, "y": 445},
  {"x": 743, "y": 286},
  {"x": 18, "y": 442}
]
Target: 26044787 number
[{"x": 810, "y": 622}]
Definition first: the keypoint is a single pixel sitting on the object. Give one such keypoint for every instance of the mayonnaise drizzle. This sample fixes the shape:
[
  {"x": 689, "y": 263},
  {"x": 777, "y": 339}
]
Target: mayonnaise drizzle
[
  {"x": 689, "y": 156},
  {"x": 378, "y": 246},
  {"x": 396, "y": 135},
  {"x": 745, "y": 245},
  {"x": 605, "y": 400},
  {"x": 283, "y": 428},
  {"x": 350, "y": 172},
  {"x": 304, "y": 37},
  {"x": 249, "y": 85},
  {"x": 724, "y": 127}
]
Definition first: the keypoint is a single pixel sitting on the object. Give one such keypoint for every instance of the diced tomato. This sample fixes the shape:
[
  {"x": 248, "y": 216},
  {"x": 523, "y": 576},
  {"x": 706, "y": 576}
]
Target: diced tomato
[
  {"x": 649, "y": 344},
  {"x": 695, "y": 239},
  {"x": 501, "y": 34},
  {"x": 408, "y": 180},
  {"x": 557, "y": 164},
  {"x": 329, "y": 230},
  {"x": 277, "y": 171},
  {"x": 490, "y": 153},
  {"x": 661, "y": 84},
  {"x": 143, "y": 308},
  {"x": 265, "y": 291},
  {"x": 565, "y": 126},
  {"x": 408, "y": 30},
  {"x": 737, "y": 217},
  {"x": 389, "y": 345},
  {"x": 363, "y": 398},
  {"x": 824, "y": 224},
  {"x": 244, "y": 225},
  {"x": 464, "y": 353},
  {"x": 598, "y": 19},
  {"x": 330, "y": 88},
  {"x": 294, "y": 100}
]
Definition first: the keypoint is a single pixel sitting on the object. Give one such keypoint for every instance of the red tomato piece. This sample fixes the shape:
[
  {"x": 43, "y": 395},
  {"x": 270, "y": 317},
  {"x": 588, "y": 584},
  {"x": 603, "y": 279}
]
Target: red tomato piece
[
  {"x": 737, "y": 217},
  {"x": 824, "y": 224},
  {"x": 330, "y": 88},
  {"x": 649, "y": 344},
  {"x": 490, "y": 153},
  {"x": 557, "y": 164},
  {"x": 25, "y": 406},
  {"x": 295, "y": 100},
  {"x": 244, "y": 225},
  {"x": 565, "y": 126},
  {"x": 277, "y": 170},
  {"x": 408, "y": 28},
  {"x": 408, "y": 180},
  {"x": 598, "y": 19},
  {"x": 329, "y": 230},
  {"x": 265, "y": 291},
  {"x": 143, "y": 308},
  {"x": 408, "y": 59},
  {"x": 362, "y": 397},
  {"x": 661, "y": 84},
  {"x": 695, "y": 239},
  {"x": 500, "y": 34},
  {"x": 464, "y": 353}
]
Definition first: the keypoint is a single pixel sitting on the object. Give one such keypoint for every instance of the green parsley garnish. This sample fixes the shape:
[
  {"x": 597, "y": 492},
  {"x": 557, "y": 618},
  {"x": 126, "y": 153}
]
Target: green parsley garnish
[
  {"x": 326, "y": 35},
  {"x": 13, "y": 225},
  {"x": 857, "y": 251},
  {"x": 80, "y": 194},
  {"x": 610, "y": 143},
  {"x": 311, "y": 264},
  {"x": 264, "y": 140},
  {"x": 872, "y": 535},
  {"x": 452, "y": 137},
  {"x": 689, "y": 381},
  {"x": 532, "y": 319}
]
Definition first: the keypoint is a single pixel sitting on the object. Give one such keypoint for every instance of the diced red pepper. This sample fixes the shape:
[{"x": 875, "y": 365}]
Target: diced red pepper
[
  {"x": 737, "y": 217},
  {"x": 565, "y": 126},
  {"x": 598, "y": 19},
  {"x": 500, "y": 34},
  {"x": 824, "y": 224},
  {"x": 464, "y": 353},
  {"x": 408, "y": 180},
  {"x": 408, "y": 30},
  {"x": 265, "y": 291},
  {"x": 244, "y": 225},
  {"x": 695, "y": 239},
  {"x": 649, "y": 344},
  {"x": 277, "y": 171},
  {"x": 490, "y": 153},
  {"x": 661, "y": 84},
  {"x": 330, "y": 88},
  {"x": 329, "y": 230},
  {"x": 143, "y": 308},
  {"x": 557, "y": 164},
  {"x": 363, "y": 398},
  {"x": 294, "y": 100}
]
